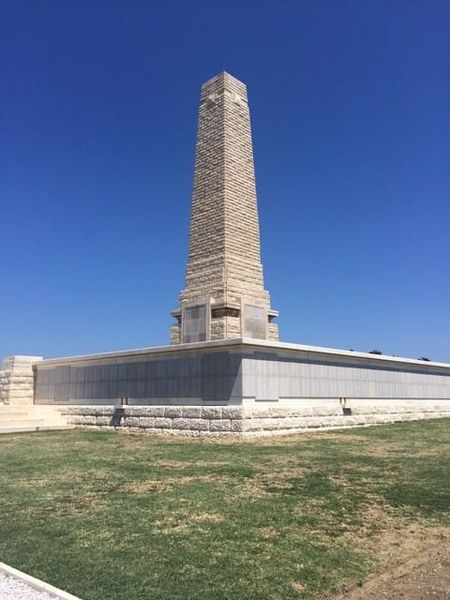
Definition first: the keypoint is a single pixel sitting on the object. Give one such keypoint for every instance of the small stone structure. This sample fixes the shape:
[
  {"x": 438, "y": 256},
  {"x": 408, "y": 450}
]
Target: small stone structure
[
  {"x": 224, "y": 295},
  {"x": 16, "y": 380}
]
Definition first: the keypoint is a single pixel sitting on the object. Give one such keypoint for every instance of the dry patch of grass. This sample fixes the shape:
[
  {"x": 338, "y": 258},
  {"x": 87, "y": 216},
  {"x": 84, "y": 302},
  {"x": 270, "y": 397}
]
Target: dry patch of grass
[
  {"x": 168, "y": 483},
  {"x": 70, "y": 505},
  {"x": 207, "y": 518},
  {"x": 183, "y": 465},
  {"x": 184, "y": 522},
  {"x": 298, "y": 587},
  {"x": 277, "y": 477},
  {"x": 269, "y": 533},
  {"x": 395, "y": 537}
]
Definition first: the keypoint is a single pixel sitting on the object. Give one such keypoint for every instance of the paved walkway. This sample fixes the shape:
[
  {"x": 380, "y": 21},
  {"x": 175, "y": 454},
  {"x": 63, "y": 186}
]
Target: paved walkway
[
  {"x": 14, "y": 589},
  {"x": 16, "y": 585}
]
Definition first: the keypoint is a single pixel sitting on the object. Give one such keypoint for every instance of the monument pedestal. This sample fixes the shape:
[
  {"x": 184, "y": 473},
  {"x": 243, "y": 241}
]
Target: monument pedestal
[{"x": 242, "y": 386}]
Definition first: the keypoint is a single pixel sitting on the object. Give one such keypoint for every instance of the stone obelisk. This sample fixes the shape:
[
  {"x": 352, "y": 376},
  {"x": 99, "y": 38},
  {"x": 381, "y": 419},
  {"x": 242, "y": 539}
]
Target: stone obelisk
[{"x": 224, "y": 295}]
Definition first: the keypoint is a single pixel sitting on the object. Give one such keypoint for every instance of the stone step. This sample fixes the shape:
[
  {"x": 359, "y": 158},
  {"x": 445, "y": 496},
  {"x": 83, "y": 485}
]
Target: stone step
[
  {"x": 28, "y": 409},
  {"x": 14, "y": 408},
  {"x": 30, "y": 413},
  {"x": 51, "y": 419},
  {"x": 27, "y": 415},
  {"x": 24, "y": 422},
  {"x": 25, "y": 429},
  {"x": 15, "y": 418}
]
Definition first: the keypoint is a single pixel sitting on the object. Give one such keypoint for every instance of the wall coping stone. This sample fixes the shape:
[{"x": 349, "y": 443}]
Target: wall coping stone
[{"x": 238, "y": 344}]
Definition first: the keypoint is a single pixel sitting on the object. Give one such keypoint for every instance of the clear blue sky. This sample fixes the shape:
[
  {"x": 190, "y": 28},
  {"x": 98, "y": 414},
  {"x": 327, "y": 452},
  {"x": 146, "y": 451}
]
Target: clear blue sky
[{"x": 351, "y": 125}]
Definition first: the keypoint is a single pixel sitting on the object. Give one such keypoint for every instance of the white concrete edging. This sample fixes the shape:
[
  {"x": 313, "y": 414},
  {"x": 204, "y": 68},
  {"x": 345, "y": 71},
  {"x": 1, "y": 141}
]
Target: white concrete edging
[{"x": 37, "y": 584}]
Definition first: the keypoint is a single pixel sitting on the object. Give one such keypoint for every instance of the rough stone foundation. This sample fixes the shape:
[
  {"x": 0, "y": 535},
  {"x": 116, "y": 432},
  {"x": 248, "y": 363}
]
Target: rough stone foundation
[{"x": 229, "y": 421}]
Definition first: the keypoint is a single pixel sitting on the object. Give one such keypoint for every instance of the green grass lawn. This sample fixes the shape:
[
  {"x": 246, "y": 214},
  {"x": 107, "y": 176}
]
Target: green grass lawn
[{"x": 115, "y": 516}]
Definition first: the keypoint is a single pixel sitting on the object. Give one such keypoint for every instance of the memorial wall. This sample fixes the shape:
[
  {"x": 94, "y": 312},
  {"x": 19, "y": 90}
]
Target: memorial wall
[{"x": 236, "y": 372}]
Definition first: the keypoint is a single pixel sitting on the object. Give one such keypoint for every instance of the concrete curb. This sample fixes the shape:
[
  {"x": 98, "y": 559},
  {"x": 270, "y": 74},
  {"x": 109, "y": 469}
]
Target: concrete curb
[{"x": 37, "y": 584}]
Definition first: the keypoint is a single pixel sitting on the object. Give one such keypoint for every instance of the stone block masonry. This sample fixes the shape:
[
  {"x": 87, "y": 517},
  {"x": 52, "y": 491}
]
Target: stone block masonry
[
  {"x": 230, "y": 421},
  {"x": 16, "y": 380},
  {"x": 238, "y": 372},
  {"x": 224, "y": 271},
  {"x": 230, "y": 388}
]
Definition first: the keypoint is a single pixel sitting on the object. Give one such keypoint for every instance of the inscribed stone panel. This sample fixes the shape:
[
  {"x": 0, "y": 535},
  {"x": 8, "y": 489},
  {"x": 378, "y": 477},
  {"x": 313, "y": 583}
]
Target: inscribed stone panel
[
  {"x": 194, "y": 323},
  {"x": 255, "y": 322}
]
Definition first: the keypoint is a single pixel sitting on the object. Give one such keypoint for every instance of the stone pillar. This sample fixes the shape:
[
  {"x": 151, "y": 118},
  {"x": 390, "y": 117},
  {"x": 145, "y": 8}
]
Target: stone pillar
[
  {"x": 17, "y": 380},
  {"x": 224, "y": 274}
]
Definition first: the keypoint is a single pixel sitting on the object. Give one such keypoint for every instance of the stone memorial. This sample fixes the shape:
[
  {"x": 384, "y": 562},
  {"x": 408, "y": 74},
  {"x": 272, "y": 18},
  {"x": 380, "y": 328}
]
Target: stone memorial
[
  {"x": 224, "y": 275},
  {"x": 225, "y": 372}
]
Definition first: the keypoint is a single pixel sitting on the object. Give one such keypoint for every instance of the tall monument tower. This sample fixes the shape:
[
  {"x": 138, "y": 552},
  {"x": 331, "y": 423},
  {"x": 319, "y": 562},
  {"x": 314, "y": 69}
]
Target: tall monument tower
[{"x": 224, "y": 295}]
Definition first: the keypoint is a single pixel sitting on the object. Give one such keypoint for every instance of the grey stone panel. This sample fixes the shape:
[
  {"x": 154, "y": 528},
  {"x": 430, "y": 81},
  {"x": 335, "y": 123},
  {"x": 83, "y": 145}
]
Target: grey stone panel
[
  {"x": 274, "y": 375},
  {"x": 218, "y": 376},
  {"x": 195, "y": 323},
  {"x": 212, "y": 376},
  {"x": 255, "y": 321}
]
